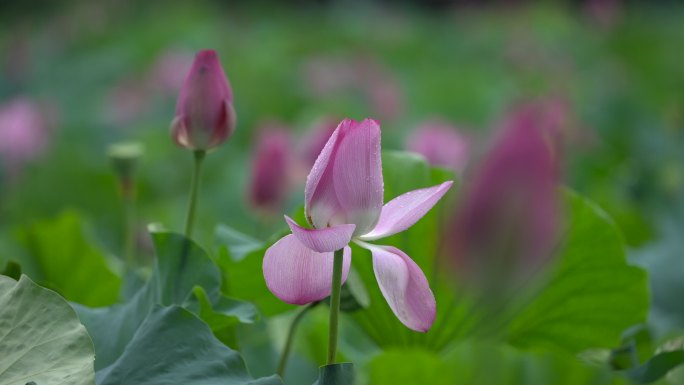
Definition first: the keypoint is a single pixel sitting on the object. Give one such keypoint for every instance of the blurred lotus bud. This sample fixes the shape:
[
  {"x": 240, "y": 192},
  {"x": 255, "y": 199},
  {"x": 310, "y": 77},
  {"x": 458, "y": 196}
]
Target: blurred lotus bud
[
  {"x": 24, "y": 134},
  {"x": 381, "y": 87},
  {"x": 508, "y": 218},
  {"x": 169, "y": 69},
  {"x": 124, "y": 157},
  {"x": 268, "y": 187},
  {"x": 125, "y": 103},
  {"x": 555, "y": 118},
  {"x": 441, "y": 144},
  {"x": 316, "y": 140},
  {"x": 605, "y": 13},
  {"x": 326, "y": 75},
  {"x": 554, "y": 114},
  {"x": 329, "y": 76},
  {"x": 386, "y": 97},
  {"x": 205, "y": 116}
]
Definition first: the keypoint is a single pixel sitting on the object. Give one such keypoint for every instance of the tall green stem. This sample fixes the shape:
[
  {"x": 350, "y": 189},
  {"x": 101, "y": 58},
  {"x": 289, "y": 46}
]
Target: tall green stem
[
  {"x": 129, "y": 228},
  {"x": 335, "y": 292},
  {"x": 290, "y": 338},
  {"x": 194, "y": 187}
]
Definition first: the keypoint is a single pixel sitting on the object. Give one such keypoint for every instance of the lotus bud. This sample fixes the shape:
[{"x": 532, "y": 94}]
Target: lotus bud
[
  {"x": 441, "y": 144},
  {"x": 205, "y": 116},
  {"x": 507, "y": 222},
  {"x": 270, "y": 171},
  {"x": 24, "y": 134}
]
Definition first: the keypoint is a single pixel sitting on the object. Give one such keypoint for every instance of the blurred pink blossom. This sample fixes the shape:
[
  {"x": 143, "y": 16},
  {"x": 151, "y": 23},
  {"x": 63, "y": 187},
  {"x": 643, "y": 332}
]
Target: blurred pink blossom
[
  {"x": 386, "y": 97},
  {"x": 169, "y": 70},
  {"x": 383, "y": 91},
  {"x": 604, "y": 12},
  {"x": 561, "y": 121},
  {"x": 130, "y": 99},
  {"x": 125, "y": 103},
  {"x": 316, "y": 139},
  {"x": 558, "y": 121},
  {"x": 271, "y": 169},
  {"x": 329, "y": 76},
  {"x": 24, "y": 134},
  {"x": 441, "y": 144},
  {"x": 507, "y": 221}
]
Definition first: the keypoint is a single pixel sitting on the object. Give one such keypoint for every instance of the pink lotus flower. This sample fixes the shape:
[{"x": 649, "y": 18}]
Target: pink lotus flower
[
  {"x": 441, "y": 144},
  {"x": 507, "y": 223},
  {"x": 554, "y": 116},
  {"x": 344, "y": 202},
  {"x": 205, "y": 116},
  {"x": 557, "y": 117},
  {"x": 23, "y": 134},
  {"x": 270, "y": 170}
]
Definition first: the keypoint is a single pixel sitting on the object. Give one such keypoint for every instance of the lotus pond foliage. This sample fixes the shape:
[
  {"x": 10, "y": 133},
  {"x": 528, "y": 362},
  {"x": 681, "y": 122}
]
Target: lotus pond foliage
[{"x": 418, "y": 194}]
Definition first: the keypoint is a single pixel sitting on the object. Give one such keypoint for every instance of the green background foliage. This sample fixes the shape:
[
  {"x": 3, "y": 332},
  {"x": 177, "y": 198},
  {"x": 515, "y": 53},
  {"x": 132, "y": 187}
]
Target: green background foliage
[{"x": 61, "y": 222}]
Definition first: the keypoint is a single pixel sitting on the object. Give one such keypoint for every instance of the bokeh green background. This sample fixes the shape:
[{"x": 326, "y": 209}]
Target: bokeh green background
[{"x": 91, "y": 63}]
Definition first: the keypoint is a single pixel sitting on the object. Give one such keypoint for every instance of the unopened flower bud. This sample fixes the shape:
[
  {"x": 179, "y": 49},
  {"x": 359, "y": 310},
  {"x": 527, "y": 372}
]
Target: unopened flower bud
[
  {"x": 441, "y": 144},
  {"x": 205, "y": 116},
  {"x": 270, "y": 170}
]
